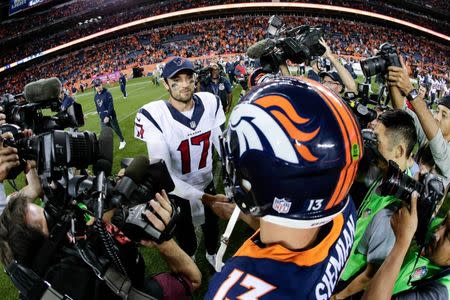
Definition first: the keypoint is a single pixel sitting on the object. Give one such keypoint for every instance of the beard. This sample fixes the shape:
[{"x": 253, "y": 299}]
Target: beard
[{"x": 181, "y": 97}]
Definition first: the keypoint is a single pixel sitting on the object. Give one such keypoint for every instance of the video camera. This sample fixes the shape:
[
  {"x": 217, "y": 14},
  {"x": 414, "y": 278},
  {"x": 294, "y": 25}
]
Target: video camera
[
  {"x": 387, "y": 56},
  {"x": 53, "y": 151},
  {"x": 51, "y": 148},
  {"x": 297, "y": 44},
  {"x": 71, "y": 201},
  {"x": 40, "y": 95}
]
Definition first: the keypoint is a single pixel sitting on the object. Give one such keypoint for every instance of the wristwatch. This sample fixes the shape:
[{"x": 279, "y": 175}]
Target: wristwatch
[{"x": 412, "y": 95}]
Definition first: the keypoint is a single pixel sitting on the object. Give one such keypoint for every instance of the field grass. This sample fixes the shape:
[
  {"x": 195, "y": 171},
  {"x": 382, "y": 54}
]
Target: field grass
[{"x": 140, "y": 91}]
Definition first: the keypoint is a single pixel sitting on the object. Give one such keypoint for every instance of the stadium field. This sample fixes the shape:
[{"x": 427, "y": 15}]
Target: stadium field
[{"x": 140, "y": 91}]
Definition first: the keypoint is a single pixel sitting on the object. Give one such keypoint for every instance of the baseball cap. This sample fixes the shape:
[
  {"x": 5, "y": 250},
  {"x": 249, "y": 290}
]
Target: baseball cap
[
  {"x": 176, "y": 65},
  {"x": 445, "y": 101},
  {"x": 333, "y": 75},
  {"x": 97, "y": 82}
]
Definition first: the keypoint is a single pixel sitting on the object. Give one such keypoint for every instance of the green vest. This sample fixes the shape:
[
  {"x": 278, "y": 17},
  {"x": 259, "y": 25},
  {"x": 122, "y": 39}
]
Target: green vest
[
  {"x": 370, "y": 206},
  {"x": 423, "y": 270}
]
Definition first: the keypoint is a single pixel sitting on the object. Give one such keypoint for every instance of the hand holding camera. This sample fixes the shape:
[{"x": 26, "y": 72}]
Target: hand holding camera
[
  {"x": 159, "y": 214},
  {"x": 398, "y": 77},
  {"x": 8, "y": 157},
  {"x": 404, "y": 222}
]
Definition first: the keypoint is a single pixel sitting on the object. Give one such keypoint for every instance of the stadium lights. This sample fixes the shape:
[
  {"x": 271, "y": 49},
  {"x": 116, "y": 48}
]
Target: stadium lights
[{"x": 195, "y": 11}]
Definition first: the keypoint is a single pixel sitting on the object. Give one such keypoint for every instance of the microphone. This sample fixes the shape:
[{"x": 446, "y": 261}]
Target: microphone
[
  {"x": 103, "y": 165},
  {"x": 260, "y": 48},
  {"x": 43, "y": 90},
  {"x": 105, "y": 153},
  {"x": 135, "y": 174}
]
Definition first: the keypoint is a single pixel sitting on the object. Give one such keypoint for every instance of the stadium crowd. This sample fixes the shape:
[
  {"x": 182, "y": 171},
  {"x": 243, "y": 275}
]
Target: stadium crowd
[
  {"x": 233, "y": 35},
  {"x": 38, "y": 42}
]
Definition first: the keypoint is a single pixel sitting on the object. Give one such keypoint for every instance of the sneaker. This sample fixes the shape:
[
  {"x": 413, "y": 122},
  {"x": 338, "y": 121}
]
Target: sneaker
[
  {"x": 211, "y": 259},
  {"x": 122, "y": 145}
]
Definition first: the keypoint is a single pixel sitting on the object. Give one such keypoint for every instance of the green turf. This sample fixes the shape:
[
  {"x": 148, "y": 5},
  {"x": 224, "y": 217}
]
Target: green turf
[{"x": 140, "y": 91}]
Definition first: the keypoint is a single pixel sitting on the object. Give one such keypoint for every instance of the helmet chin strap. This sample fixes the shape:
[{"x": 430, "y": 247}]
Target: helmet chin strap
[
  {"x": 303, "y": 224},
  {"x": 224, "y": 240}
]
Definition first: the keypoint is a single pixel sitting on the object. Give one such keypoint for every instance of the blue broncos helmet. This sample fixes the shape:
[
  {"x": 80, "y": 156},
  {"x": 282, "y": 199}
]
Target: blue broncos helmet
[{"x": 292, "y": 149}]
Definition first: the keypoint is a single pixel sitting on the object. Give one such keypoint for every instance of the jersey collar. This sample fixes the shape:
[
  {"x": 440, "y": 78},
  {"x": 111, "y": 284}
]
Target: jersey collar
[{"x": 191, "y": 123}]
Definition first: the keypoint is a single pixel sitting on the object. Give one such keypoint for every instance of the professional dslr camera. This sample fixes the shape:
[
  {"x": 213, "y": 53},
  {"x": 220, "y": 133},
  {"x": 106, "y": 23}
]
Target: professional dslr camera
[
  {"x": 387, "y": 56},
  {"x": 431, "y": 189},
  {"x": 432, "y": 192},
  {"x": 297, "y": 44},
  {"x": 358, "y": 103}
]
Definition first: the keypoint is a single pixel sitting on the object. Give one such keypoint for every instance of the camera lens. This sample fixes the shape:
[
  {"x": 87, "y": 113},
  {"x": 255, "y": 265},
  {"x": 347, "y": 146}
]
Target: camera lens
[
  {"x": 75, "y": 149},
  {"x": 398, "y": 184},
  {"x": 374, "y": 65}
]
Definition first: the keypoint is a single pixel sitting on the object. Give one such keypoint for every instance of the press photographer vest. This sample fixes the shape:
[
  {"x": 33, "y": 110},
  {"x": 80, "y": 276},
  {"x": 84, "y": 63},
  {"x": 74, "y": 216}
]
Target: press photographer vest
[
  {"x": 370, "y": 206},
  {"x": 424, "y": 269}
]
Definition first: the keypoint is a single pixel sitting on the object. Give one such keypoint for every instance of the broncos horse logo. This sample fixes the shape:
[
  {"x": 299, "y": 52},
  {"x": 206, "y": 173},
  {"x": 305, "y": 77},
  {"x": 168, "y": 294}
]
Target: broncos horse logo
[{"x": 285, "y": 138}]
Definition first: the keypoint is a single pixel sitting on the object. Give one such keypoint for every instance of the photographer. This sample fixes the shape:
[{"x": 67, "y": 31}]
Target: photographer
[
  {"x": 396, "y": 138},
  {"x": 434, "y": 129},
  {"x": 401, "y": 276},
  {"x": 313, "y": 73},
  {"x": 8, "y": 160},
  {"x": 344, "y": 75},
  {"x": 240, "y": 73},
  {"x": 218, "y": 85},
  {"x": 24, "y": 228}
]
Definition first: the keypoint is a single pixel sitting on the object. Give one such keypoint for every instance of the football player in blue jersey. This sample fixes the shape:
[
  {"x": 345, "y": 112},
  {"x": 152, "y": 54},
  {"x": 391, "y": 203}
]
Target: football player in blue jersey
[
  {"x": 292, "y": 149},
  {"x": 123, "y": 84}
]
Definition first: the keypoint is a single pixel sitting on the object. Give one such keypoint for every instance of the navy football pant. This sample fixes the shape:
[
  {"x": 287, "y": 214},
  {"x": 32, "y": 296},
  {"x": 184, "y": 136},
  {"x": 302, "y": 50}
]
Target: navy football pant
[
  {"x": 185, "y": 231},
  {"x": 114, "y": 124}
]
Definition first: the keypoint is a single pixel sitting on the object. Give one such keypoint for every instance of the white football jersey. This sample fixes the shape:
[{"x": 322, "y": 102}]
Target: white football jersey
[{"x": 184, "y": 143}]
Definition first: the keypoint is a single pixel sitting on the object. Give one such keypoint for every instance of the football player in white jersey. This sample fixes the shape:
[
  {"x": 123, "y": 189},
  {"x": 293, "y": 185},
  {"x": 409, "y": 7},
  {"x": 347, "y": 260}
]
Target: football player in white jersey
[{"x": 181, "y": 131}]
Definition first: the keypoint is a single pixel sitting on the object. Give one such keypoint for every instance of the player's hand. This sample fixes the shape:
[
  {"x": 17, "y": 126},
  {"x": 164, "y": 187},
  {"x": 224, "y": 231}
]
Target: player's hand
[
  {"x": 328, "y": 52},
  {"x": 404, "y": 221},
  {"x": 8, "y": 157},
  {"x": 2, "y": 116},
  {"x": 398, "y": 77},
  {"x": 223, "y": 210},
  {"x": 161, "y": 205},
  {"x": 106, "y": 120},
  {"x": 221, "y": 198}
]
